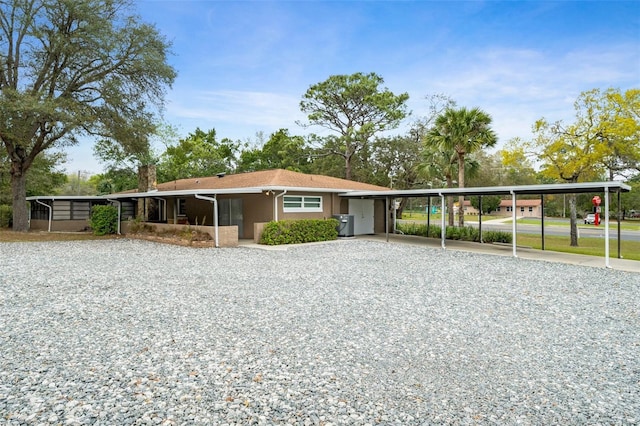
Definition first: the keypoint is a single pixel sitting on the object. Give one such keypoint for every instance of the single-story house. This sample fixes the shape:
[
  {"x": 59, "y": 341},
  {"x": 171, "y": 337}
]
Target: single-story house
[
  {"x": 524, "y": 208},
  {"x": 233, "y": 206}
]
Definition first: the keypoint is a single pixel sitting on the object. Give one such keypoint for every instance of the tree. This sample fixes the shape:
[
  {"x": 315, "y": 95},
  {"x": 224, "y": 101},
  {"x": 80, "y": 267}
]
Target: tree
[
  {"x": 74, "y": 68},
  {"x": 462, "y": 131},
  {"x": 587, "y": 148},
  {"x": 199, "y": 154},
  {"x": 356, "y": 109},
  {"x": 490, "y": 203},
  {"x": 281, "y": 151},
  {"x": 439, "y": 167},
  {"x": 43, "y": 178},
  {"x": 618, "y": 124}
]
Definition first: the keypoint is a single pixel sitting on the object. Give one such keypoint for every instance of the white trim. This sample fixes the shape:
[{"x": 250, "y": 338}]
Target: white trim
[{"x": 303, "y": 201}]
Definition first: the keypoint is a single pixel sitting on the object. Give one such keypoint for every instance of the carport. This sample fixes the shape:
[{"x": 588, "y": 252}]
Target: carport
[{"x": 605, "y": 188}]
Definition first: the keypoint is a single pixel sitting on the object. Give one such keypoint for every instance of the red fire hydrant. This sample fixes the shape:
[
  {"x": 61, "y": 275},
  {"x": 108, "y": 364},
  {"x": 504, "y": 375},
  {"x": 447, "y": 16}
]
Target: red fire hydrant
[{"x": 596, "y": 203}]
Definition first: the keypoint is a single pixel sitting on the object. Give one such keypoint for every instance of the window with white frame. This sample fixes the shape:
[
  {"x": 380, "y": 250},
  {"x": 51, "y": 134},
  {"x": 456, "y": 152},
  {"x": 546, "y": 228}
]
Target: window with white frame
[
  {"x": 301, "y": 203},
  {"x": 522, "y": 209},
  {"x": 530, "y": 209}
]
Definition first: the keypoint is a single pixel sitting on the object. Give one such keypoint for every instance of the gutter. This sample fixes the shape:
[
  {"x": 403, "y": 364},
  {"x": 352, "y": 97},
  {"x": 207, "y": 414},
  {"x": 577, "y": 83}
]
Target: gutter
[
  {"x": 275, "y": 204},
  {"x": 215, "y": 214},
  {"x": 50, "y": 211},
  {"x": 119, "y": 211}
]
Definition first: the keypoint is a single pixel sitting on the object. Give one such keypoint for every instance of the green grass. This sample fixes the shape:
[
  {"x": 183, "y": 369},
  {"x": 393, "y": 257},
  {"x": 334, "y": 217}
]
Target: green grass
[
  {"x": 626, "y": 225},
  {"x": 588, "y": 246}
]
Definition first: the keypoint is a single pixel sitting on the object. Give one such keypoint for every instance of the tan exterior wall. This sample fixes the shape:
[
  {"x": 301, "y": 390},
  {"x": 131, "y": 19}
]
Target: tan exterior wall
[
  {"x": 60, "y": 225},
  {"x": 227, "y": 235},
  {"x": 537, "y": 212}
]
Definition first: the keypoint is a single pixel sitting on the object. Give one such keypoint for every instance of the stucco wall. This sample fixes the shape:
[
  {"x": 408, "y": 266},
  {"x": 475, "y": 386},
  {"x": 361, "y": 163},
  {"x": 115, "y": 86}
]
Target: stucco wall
[
  {"x": 60, "y": 225},
  {"x": 227, "y": 235}
]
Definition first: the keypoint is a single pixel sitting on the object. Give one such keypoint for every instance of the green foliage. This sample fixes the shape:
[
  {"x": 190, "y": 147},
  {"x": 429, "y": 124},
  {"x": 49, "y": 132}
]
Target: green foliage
[
  {"x": 281, "y": 151},
  {"x": 355, "y": 108},
  {"x": 299, "y": 231},
  {"x": 199, "y": 154},
  {"x": 6, "y": 216},
  {"x": 489, "y": 203},
  {"x": 461, "y": 132},
  {"x": 467, "y": 233},
  {"x": 104, "y": 220},
  {"x": 138, "y": 226},
  {"x": 497, "y": 237},
  {"x": 76, "y": 68}
]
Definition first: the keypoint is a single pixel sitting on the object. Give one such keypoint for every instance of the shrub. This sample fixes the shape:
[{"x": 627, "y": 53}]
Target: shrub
[
  {"x": 497, "y": 237},
  {"x": 104, "y": 220},
  {"x": 299, "y": 231},
  {"x": 6, "y": 216},
  {"x": 137, "y": 226}
]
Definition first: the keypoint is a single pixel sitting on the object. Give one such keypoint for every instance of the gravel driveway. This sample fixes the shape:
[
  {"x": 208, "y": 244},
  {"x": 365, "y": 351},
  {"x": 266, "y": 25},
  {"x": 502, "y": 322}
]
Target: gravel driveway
[{"x": 121, "y": 332}]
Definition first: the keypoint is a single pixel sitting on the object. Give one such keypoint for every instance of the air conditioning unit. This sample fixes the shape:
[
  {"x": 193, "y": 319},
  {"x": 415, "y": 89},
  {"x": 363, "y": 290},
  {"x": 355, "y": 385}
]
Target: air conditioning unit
[{"x": 345, "y": 224}]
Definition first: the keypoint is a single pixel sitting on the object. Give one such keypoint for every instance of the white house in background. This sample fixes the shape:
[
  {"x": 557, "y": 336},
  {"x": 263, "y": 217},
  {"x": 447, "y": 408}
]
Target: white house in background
[{"x": 524, "y": 208}]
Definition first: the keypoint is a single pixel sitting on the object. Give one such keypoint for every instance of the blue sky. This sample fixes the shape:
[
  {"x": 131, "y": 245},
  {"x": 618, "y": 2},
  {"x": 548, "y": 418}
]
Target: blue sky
[{"x": 243, "y": 66}]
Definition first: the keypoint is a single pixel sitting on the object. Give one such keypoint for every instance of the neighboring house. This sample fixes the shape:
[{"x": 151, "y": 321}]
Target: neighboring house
[
  {"x": 524, "y": 208},
  {"x": 244, "y": 203}
]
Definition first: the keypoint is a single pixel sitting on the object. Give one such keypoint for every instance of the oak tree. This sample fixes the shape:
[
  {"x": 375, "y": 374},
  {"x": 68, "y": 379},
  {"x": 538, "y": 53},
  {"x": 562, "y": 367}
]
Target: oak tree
[{"x": 71, "y": 69}]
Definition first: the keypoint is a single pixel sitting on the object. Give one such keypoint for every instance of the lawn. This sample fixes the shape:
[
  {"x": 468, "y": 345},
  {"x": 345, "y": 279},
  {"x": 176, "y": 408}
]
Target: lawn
[
  {"x": 629, "y": 225},
  {"x": 589, "y": 246}
]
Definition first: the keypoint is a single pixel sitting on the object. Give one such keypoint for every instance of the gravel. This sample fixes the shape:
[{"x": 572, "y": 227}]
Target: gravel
[{"x": 350, "y": 332}]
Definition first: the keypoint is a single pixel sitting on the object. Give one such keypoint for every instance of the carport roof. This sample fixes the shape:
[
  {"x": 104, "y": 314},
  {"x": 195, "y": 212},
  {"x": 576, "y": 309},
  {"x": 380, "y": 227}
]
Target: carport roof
[{"x": 556, "y": 188}]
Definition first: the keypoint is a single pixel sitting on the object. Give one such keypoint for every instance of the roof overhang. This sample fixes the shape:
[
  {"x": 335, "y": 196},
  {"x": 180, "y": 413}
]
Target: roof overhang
[{"x": 559, "y": 188}]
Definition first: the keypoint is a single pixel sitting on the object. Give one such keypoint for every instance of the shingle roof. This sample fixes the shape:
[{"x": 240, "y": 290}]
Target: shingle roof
[{"x": 268, "y": 178}]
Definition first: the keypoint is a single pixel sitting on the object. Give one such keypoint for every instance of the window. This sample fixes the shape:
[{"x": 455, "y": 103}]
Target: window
[
  {"x": 530, "y": 209},
  {"x": 38, "y": 211},
  {"x": 522, "y": 209},
  {"x": 182, "y": 206},
  {"x": 299, "y": 203},
  {"x": 508, "y": 208}
]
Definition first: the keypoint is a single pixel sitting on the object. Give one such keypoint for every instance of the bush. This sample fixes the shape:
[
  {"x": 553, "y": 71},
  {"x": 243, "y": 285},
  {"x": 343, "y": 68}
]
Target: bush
[
  {"x": 6, "y": 216},
  {"x": 299, "y": 231},
  {"x": 104, "y": 220},
  {"x": 497, "y": 237},
  {"x": 468, "y": 233}
]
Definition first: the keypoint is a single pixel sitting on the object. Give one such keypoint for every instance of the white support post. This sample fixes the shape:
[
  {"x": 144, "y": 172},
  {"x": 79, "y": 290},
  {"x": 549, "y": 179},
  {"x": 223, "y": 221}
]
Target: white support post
[
  {"x": 513, "y": 225},
  {"x": 606, "y": 227},
  {"x": 443, "y": 228}
]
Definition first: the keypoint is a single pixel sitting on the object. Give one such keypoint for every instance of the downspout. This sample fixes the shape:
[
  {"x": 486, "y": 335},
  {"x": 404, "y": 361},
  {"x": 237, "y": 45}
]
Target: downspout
[
  {"x": 215, "y": 214},
  {"x": 119, "y": 211},
  {"x": 443, "y": 228},
  {"x": 275, "y": 204},
  {"x": 50, "y": 212},
  {"x": 514, "y": 221}
]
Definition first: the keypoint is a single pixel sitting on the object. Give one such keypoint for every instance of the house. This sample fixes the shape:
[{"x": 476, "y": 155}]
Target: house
[
  {"x": 524, "y": 208},
  {"x": 234, "y": 206}
]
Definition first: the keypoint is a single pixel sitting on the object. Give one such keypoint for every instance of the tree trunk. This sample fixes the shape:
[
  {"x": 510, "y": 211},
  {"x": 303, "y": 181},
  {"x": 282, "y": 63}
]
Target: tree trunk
[
  {"x": 19, "y": 193},
  {"x": 573, "y": 220},
  {"x": 449, "y": 201},
  {"x": 347, "y": 167},
  {"x": 461, "y": 185}
]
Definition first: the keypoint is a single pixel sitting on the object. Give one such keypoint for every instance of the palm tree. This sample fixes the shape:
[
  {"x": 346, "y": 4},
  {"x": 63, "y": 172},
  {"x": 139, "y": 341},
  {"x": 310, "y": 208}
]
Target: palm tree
[{"x": 461, "y": 131}]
